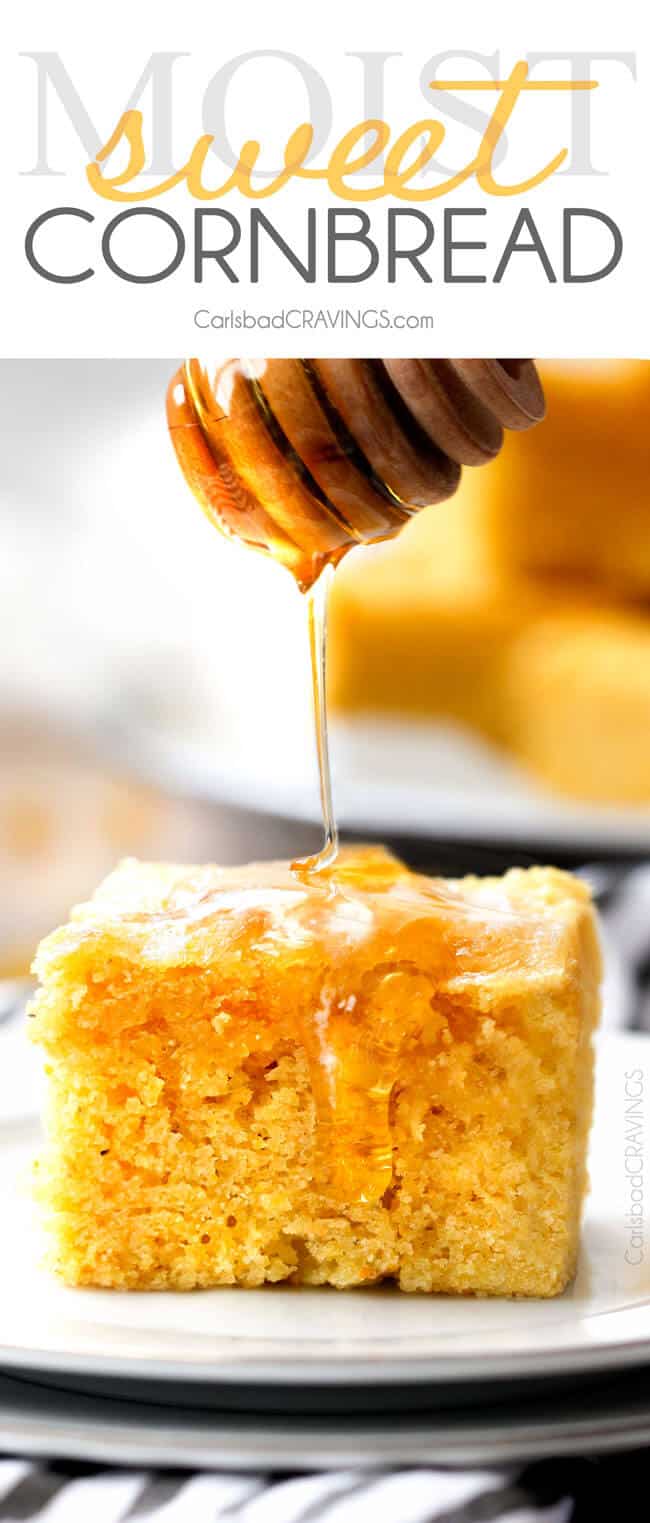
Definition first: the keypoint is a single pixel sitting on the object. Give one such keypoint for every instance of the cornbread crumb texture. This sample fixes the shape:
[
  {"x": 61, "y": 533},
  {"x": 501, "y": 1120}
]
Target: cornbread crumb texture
[{"x": 257, "y": 1077}]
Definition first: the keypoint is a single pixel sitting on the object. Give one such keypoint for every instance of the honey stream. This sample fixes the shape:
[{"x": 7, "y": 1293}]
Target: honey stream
[
  {"x": 265, "y": 451},
  {"x": 317, "y": 599},
  {"x": 270, "y": 451},
  {"x": 235, "y": 458}
]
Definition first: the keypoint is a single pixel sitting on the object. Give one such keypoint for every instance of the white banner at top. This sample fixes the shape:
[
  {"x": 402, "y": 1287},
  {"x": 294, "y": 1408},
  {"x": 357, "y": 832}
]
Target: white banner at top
[{"x": 370, "y": 179}]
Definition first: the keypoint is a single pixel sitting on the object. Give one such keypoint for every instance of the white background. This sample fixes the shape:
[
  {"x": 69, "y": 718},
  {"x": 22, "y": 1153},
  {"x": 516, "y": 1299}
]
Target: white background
[{"x": 105, "y": 57}]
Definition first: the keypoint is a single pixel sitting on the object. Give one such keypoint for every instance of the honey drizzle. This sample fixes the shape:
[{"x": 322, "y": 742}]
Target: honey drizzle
[
  {"x": 353, "y": 1071},
  {"x": 317, "y": 598},
  {"x": 238, "y": 455},
  {"x": 371, "y": 971}
]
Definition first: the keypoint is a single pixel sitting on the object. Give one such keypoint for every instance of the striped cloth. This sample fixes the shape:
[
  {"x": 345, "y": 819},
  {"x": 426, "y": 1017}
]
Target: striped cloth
[
  {"x": 565, "y": 1491},
  {"x": 65, "y": 1492},
  {"x": 623, "y": 898},
  {"x": 552, "y": 1491}
]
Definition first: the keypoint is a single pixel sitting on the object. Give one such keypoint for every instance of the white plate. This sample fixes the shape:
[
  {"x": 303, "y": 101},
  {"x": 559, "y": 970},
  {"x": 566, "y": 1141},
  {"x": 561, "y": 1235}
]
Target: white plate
[
  {"x": 52, "y": 1423},
  {"x": 306, "y": 1337},
  {"x": 391, "y": 777}
]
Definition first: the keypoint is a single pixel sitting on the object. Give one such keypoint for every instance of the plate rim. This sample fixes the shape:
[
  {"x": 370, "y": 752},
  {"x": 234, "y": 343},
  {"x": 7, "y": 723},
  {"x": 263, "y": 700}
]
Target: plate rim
[
  {"x": 427, "y": 1370},
  {"x": 175, "y": 763},
  {"x": 242, "y": 1442}
]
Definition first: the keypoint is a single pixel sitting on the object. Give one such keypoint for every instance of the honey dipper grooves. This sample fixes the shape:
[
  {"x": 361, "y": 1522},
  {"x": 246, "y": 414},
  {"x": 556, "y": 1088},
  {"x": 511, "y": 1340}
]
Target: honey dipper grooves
[{"x": 304, "y": 458}]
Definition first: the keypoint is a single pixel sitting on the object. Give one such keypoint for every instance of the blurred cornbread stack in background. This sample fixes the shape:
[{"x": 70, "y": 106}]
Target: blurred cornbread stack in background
[
  {"x": 574, "y": 497},
  {"x": 522, "y": 609},
  {"x": 423, "y": 626},
  {"x": 577, "y": 695}
]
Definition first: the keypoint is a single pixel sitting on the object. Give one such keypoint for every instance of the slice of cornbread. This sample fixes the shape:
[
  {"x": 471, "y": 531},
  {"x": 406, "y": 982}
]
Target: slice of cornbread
[
  {"x": 421, "y": 626},
  {"x": 261, "y": 1075},
  {"x": 556, "y": 676},
  {"x": 576, "y": 689},
  {"x": 573, "y": 497}
]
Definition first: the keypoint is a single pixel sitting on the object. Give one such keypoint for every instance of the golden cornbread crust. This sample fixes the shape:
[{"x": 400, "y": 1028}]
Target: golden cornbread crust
[{"x": 363, "y": 1073}]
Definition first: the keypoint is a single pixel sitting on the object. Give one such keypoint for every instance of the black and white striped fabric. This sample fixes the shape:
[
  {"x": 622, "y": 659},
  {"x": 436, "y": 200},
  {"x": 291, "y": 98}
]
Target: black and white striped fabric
[
  {"x": 623, "y": 899},
  {"x": 61, "y": 1492},
  {"x": 551, "y": 1491}
]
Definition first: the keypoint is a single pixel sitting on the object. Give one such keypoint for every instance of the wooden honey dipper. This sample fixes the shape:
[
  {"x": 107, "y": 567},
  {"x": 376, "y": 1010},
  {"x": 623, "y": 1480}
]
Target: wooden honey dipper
[{"x": 306, "y": 458}]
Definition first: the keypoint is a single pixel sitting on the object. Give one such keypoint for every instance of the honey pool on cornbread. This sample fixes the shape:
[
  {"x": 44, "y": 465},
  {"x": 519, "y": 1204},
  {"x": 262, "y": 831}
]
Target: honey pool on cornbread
[{"x": 258, "y": 1074}]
